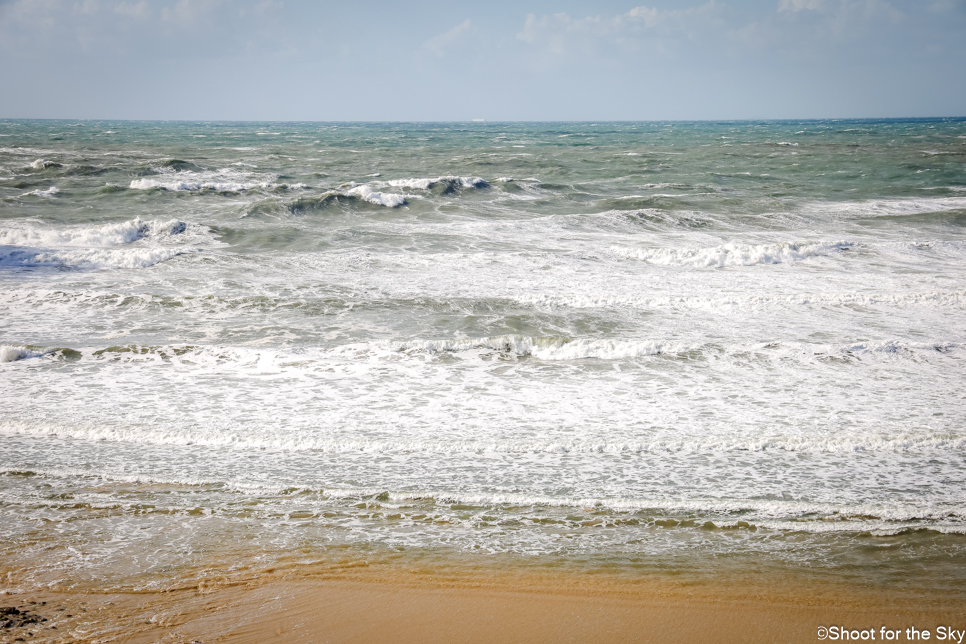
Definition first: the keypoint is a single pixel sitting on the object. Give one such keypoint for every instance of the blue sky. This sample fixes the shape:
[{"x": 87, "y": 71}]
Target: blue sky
[{"x": 503, "y": 60}]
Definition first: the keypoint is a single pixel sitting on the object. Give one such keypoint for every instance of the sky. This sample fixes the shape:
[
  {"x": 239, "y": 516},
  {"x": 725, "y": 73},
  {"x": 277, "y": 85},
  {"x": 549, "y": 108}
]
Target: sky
[{"x": 503, "y": 60}]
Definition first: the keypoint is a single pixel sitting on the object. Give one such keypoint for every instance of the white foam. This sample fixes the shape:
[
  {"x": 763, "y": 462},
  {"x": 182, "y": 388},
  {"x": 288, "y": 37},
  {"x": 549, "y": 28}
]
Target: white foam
[
  {"x": 393, "y": 200},
  {"x": 417, "y": 352},
  {"x": 777, "y": 515},
  {"x": 49, "y": 192},
  {"x": 888, "y": 207},
  {"x": 101, "y": 236},
  {"x": 387, "y": 199},
  {"x": 244, "y": 438},
  {"x": 541, "y": 348},
  {"x": 732, "y": 254},
  {"x": 224, "y": 180},
  {"x": 192, "y": 184},
  {"x": 897, "y": 300},
  {"x": 89, "y": 258}
]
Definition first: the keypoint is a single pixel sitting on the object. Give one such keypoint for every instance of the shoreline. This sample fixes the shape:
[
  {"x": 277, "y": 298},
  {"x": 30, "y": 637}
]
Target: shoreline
[{"x": 354, "y": 604}]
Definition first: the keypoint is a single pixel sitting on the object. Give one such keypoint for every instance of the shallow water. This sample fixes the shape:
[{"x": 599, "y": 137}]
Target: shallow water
[{"x": 640, "y": 346}]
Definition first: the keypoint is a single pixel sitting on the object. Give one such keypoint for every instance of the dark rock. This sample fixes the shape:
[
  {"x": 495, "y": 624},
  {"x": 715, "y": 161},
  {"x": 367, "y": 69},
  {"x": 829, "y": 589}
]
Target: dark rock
[{"x": 13, "y": 617}]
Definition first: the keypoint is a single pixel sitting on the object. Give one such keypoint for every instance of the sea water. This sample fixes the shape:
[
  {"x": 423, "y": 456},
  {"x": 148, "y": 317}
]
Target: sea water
[{"x": 637, "y": 347}]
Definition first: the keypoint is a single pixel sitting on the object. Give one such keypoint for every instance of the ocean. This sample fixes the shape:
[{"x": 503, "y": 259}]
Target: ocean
[{"x": 636, "y": 349}]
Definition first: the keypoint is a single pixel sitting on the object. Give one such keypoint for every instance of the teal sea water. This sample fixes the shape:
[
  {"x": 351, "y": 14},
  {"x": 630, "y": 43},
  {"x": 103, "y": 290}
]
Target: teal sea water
[{"x": 638, "y": 347}]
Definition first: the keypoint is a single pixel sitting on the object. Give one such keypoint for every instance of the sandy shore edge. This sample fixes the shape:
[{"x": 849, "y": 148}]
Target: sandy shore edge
[{"x": 499, "y": 608}]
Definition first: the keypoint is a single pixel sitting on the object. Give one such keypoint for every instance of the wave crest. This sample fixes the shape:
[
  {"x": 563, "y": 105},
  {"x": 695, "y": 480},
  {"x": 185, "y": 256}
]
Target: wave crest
[
  {"x": 440, "y": 185},
  {"x": 388, "y": 199},
  {"x": 107, "y": 235}
]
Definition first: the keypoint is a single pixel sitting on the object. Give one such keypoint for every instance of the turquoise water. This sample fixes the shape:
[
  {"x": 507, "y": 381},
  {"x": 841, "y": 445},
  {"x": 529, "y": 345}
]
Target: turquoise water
[{"x": 628, "y": 345}]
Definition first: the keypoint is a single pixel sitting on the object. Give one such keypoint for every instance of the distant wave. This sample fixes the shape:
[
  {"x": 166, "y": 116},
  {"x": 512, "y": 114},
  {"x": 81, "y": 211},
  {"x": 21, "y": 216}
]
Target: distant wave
[
  {"x": 441, "y": 185},
  {"x": 43, "y": 164},
  {"x": 196, "y": 183},
  {"x": 888, "y": 207},
  {"x": 444, "y": 184},
  {"x": 49, "y": 192},
  {"x": 179, "y": 176}
]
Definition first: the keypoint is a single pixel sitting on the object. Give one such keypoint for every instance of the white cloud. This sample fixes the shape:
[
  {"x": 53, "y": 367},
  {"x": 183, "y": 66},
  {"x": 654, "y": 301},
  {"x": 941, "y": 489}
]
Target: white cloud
[
  {"x": 439, "y": 44},
  {"x": 822, "y": 30},
  {"x": 559, "y": 34},
  {"x": 649, "y": 15},
  {"x": 24, "y": 21}
]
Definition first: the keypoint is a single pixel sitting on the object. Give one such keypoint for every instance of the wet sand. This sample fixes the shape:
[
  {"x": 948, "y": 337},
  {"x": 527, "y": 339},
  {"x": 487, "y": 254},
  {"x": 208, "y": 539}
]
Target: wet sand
[{"x": 355, "y": 606}]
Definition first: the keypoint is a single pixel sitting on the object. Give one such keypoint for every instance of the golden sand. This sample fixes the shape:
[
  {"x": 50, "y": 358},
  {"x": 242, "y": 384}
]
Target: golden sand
[{"x": 355, "y": 604}]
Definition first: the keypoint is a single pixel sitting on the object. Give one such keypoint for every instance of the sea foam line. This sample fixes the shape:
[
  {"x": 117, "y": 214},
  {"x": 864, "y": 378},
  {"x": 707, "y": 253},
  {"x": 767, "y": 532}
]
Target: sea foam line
[
  {"x": 778, "y": 515},
  {"x": 550, "y": 348},
  {"x": 733, "y": 254},
  {"x": 88, "y": 259},
  {"x": 925, "y": 298},
  {"x": 239, "y": 438}
]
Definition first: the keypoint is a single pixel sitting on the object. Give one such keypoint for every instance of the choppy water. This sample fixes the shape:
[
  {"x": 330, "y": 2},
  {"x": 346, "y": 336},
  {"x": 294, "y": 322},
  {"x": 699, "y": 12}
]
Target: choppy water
[{"x": 574, "y": 343}]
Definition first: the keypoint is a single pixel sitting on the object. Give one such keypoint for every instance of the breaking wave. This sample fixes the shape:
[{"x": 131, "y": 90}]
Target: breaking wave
[
  {"x": 387, "y": 199},
  {"x": 439, "y": 185},
  {"x": 107, "y": 235},
  {"x": 9, "y": 353}
]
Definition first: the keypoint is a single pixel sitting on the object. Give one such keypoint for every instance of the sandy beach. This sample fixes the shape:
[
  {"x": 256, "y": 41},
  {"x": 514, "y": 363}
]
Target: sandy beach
[{"x": 353, "y": 604}]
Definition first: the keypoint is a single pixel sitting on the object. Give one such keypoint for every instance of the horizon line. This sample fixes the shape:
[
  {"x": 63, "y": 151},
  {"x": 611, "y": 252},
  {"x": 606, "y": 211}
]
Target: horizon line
[{"x": 499, "y": 121}]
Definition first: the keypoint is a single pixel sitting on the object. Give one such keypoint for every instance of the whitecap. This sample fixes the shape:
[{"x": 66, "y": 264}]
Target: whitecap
[
  {"x": 388, "y": 199},
  {"x": 188, "y": 184},
  {"x": 448, "y": 181},
  {"x": 49, "y": 192}
]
